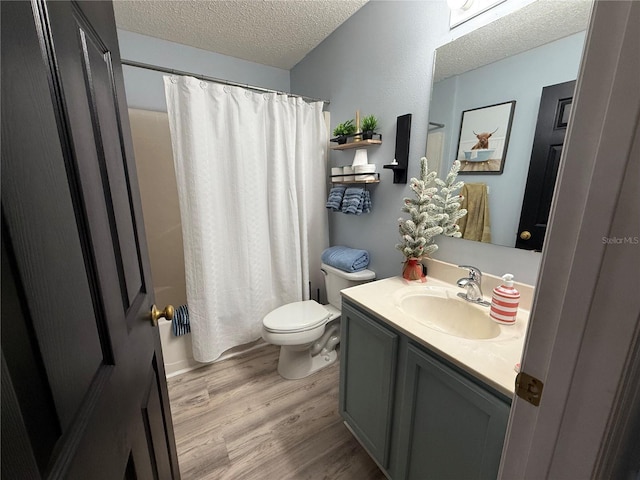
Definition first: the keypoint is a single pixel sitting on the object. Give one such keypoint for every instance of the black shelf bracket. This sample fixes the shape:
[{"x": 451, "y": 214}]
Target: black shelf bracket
[
  {"x": 399, "y": 173},
  {"x": 403, "y": 133}
]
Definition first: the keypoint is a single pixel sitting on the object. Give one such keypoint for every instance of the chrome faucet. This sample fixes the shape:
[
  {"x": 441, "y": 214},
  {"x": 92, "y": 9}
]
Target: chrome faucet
[{"x": 473, "y": 285}]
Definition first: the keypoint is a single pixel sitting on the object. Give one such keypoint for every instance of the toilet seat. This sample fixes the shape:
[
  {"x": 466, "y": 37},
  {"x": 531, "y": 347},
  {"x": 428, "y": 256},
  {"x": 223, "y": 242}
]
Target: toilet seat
[{"x": 296, "y": 317}]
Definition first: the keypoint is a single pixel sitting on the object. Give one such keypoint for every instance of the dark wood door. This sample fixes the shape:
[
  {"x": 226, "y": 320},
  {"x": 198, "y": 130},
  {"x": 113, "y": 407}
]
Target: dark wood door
[
  {"x": 553, "y": 119},
  {"x": 83, "y": 384}
]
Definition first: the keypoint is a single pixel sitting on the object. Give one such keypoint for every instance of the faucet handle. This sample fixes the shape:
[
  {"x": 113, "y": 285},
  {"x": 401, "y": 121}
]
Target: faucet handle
[{"x": 474, "y": 272}]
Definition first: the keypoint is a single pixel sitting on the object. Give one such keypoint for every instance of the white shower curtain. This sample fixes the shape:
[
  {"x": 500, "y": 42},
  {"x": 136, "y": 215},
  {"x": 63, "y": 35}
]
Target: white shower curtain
[{"x": 251, "y": 180}]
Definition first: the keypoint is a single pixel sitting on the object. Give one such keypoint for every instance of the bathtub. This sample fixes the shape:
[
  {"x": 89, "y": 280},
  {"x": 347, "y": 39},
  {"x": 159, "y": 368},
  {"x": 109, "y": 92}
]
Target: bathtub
[{"x": 177, "y": 352}]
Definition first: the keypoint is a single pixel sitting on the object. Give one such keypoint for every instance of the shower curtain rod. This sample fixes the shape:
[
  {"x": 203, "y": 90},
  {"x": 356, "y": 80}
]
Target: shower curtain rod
[{"x": 171, "y": 71}]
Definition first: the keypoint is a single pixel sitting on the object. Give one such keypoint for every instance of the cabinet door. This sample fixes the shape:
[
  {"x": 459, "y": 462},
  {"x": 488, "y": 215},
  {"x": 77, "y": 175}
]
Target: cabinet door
[
  {"x": 367, "y": 380},
  {"x": 451, "y": 427}
]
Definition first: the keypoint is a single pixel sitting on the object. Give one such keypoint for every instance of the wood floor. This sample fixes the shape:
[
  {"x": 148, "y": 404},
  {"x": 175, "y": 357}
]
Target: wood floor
[{"x": 238, "y": 419}]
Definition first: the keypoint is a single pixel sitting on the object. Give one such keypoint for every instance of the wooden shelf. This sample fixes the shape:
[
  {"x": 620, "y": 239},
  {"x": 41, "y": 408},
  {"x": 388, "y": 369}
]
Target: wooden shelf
[
  {"x": 353, "y": 180},
  {"x": 359, "y": 144},
  {"x": 356, "y": 181}
]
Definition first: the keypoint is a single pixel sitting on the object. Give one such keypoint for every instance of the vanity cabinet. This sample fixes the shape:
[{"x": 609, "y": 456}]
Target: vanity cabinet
[
  {"x": 367, "y": 381},
  {"x": 417, "y": 415},
  {"x": 450, "y": 427}
]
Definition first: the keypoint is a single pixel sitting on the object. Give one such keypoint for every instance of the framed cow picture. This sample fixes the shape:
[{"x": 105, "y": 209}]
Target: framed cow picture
[{"x": 484, "y": 137}]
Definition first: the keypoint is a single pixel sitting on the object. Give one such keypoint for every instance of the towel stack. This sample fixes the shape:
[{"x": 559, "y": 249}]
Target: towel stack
[
  {"x": 356, "y": 201},
  {"x": 180, "y": 322},
  {"x": 345, "y": 258},
  {"x": 352, "y": 200},
  {"x": 334, "y": 202}
]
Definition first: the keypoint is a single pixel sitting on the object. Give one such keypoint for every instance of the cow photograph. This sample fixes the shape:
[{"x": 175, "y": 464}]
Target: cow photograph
[{"x": 484, "y": 137}]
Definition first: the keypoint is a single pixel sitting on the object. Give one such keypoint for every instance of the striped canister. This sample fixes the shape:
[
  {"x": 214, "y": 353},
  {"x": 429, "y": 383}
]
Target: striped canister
[{"x": 504, "y": 305}]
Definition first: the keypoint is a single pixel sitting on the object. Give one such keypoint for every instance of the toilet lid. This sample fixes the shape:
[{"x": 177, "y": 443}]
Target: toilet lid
[{"x": 296, "y": 317}]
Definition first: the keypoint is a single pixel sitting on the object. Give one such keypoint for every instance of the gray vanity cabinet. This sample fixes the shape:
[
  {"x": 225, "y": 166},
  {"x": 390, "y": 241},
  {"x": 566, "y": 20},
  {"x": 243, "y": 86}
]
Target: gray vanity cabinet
[
  {"x": 451, "y": 428},
  {"x": 369, "y": 354},
  {"x": 418, "y": 416}
]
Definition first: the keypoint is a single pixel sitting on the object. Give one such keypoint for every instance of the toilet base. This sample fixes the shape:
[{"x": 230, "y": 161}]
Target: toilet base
[{"x": 297, "y": 362}]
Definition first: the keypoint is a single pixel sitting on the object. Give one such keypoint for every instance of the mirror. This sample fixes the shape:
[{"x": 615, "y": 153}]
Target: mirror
[{"x": 509, "y": 60}]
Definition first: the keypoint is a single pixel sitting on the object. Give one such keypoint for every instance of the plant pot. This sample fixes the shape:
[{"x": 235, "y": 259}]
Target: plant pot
[
  {"x": 342, "y": 140},
  {"x": 412, "y": 270},
  {"x": 368, "y": 135}
]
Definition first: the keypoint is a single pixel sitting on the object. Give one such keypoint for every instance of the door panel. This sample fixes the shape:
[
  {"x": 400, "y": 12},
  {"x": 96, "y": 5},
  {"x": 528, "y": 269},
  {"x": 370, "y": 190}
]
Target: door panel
[
  {"x": 15, "y": 442},
  {"x": 454, "y": 428},
  {"x": 79, "y": 338},
  {"x": 58, "y": 261},
  {"x": 155, "y": 433},
  {"x": 88, "y": 72},
  {"x": 367, "y": 381},
  {"x": 102, "y": 102},
  {"x": 551, "y": 127},
  {"x": 546, "y": 192},
  {"x": 21, "y": 353}
]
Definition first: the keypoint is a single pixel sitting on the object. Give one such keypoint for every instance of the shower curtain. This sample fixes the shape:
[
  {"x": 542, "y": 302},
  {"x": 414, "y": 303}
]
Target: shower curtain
[{"x": 251, "y": 180}]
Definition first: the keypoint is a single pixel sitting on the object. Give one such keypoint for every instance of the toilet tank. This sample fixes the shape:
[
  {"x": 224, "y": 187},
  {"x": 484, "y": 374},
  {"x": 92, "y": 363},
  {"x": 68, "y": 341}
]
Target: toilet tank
[{"x": 336, "y": 280}]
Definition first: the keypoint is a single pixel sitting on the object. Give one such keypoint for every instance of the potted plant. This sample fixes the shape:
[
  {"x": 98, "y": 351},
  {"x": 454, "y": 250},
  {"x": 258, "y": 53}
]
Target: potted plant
[
  {"x": 435, "y": 211},
  {"x": 343, "y": 129},
  {"x": 369, "y": 125}
]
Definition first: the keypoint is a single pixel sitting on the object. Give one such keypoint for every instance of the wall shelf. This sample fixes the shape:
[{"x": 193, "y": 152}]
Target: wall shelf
[
  {"x": 353, "y": 178},
  {"x": 376, "y": 140},
  {"x": 399, "y": 172},
  {"x": 360, "y": 182},
  {"x": 403, "y": 132},
  {"x": 358, "y": 144}
]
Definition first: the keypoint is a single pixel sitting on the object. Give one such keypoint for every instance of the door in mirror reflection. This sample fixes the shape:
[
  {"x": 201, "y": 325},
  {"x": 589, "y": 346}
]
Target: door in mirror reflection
[{"x": 551, "y": 127}]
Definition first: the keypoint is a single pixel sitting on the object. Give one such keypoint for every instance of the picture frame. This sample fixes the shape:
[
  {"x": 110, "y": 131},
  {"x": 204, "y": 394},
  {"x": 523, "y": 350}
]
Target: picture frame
[{"x": 484, "y": 138}]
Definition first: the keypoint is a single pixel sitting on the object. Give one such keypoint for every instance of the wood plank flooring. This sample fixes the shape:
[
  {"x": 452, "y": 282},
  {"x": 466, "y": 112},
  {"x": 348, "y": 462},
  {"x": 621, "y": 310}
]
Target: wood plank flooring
[{"x": 239, "y": 420}]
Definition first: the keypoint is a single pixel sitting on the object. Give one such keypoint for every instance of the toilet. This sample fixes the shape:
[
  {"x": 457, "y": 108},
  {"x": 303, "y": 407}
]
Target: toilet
[{"x": 307, "y": 331}]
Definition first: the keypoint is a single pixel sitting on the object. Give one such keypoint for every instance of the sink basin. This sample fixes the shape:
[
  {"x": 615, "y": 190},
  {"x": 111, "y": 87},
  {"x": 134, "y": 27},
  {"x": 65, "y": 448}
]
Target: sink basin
[{"x": 441, "y": 309}]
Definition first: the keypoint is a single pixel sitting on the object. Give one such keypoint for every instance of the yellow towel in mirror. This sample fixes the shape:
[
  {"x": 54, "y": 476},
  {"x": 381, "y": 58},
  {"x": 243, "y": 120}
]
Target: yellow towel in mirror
[{"x": 475, "y": 224}]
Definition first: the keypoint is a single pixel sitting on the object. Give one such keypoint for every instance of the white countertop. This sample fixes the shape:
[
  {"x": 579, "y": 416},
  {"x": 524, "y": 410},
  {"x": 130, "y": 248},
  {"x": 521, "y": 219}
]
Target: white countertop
[{"x": 492, "y": 361}]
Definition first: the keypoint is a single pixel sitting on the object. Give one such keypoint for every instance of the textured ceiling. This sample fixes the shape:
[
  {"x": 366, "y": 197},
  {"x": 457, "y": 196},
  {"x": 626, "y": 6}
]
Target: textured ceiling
[
  {"x": 277, "y": 33},
  {"x": 532, "y": 26}
]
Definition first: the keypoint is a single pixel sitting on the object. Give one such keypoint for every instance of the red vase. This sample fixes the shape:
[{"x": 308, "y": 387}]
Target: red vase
[{"x": 412, "y": 270}]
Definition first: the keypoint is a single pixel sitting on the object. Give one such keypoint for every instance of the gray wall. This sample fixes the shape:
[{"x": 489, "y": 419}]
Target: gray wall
[
  {"x": 145, "y": 88},
  {"x": 520, "y": 78},
  {"x": 381, "y": 61}
]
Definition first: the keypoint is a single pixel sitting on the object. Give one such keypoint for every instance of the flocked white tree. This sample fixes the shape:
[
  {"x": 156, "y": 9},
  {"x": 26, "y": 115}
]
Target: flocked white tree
[
  {"x": 434, "y": 211},
  {"x": 448, "y": 203},
  {"x": 418, "y": 231}
]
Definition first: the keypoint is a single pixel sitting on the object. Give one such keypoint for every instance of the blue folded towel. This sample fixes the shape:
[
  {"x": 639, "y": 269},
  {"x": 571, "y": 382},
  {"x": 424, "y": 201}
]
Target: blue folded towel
[
  {"x": 356, "y": 201},
  {"x": 345, "y": 258},
  {"x": 180, "y": 322},
  {"x": 334, "y": 202},
  {"x": 351, "y": 200},
  {"x": 366, "y": 202}
]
